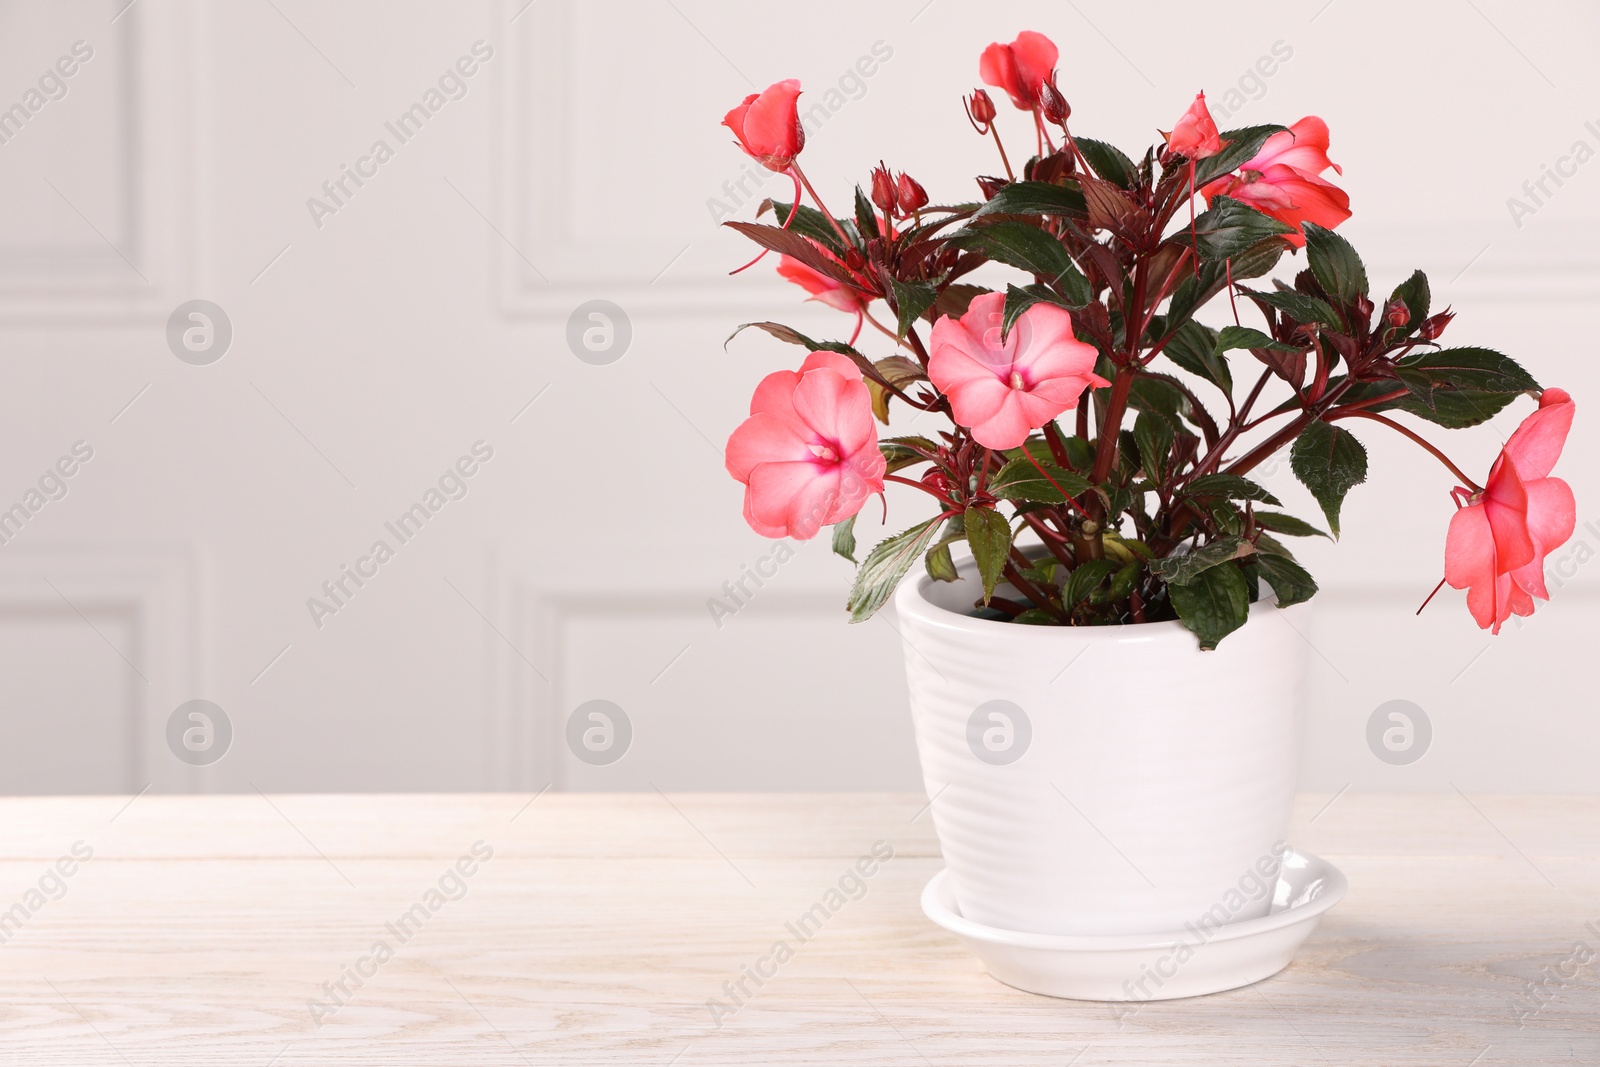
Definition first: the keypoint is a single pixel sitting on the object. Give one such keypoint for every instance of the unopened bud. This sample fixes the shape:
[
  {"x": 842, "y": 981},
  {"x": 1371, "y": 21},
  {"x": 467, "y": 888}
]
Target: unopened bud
[
  {"x": 883, "y": 189},
  {"x": 990, "y": 186},
  {"x": 1433, "y": 326},
  {"x": 1055, "y": 106},
  {"x": 910, "y": 195},
  {"x": 1364, "y": 306},
  {"x": 1397, "y": 314},
  {"x": 980, "y": 110}
]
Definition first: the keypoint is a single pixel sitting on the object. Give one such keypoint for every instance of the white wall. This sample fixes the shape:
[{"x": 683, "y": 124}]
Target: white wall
[{"x": 371, "y": 351}]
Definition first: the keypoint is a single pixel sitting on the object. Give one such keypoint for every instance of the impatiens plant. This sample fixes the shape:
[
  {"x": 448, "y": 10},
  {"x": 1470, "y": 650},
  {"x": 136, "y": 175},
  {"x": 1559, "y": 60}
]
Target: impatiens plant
[{"x": 1074, "y": 393}]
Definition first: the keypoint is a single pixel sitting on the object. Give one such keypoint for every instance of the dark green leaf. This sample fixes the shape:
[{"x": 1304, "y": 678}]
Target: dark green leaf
[
  {"x": 1177, "y": 570},
  {"x": 789, "y": 243},
  {"x": 989, "y": 534},
  {"x": 1124, "y": 581},
  {"x": 844, "y": 538},
  {"x": 1194, "y": 348},
  {"x": 1328, "y": 460},
  {"x": 1036, "y": 198},
  {"x": 811, "y": 223},
  {"x": 1290, "y": 582},
  {"x": 885, "y": 566},
  {"x": 898, "y": 455},
  {"x": 1213, "y": 605},
  {"x": 1239, "y": 146},
  {"x": 1230, "y": 487},
  {"x": 1020, "y": 300},
  {"x": 1031, "y": 249},
  {"x": 1108, "y": 162},
  {"x": 1232, "y": 337},
  {"x": 1021, "y": 480},
  {"x": 1230, "y": 228},
  {"x": 1287, "y": 525},
  {"x": 1035, "y": 617},
  {"x": 1335, "y": 263},
  {"x": 866, "y": 219},
  {"x": 1300, "y": 307},
  {"x": 1154, "y": 435},
  {"x": 1085, "y": 579},
  {"x": 954, "y": 300},
  {"x": 911, "y": 299}
]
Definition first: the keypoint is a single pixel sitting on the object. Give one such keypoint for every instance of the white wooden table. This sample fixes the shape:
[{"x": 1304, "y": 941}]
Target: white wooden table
[{"x": 203, "y": 928}]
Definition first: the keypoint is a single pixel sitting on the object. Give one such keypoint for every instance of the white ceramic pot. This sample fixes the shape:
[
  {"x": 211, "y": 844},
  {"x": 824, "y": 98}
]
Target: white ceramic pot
[{"x": 1102, "y": 780}]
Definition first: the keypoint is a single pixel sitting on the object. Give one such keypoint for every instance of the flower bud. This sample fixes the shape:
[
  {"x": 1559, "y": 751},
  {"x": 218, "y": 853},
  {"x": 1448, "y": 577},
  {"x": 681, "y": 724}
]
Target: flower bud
[
  {"x": 910, "y": 195},
  {"x": 883, "y": 189},
  {"x": 1397, "y": 314},
  {"x": 1433, "y": 326},
  {"x": 980, "y": 110},
  {"x": 1055, "y": 106},
  {"x": 990, "y": 186},
  {"x": 1364, "y": 307}
]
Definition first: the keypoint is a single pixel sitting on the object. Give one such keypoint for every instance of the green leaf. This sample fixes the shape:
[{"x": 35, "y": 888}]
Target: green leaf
[
  {"x": 1300, "y": 307},
  {"x": 1291, "y": 583},
  {"x": 1154, "y": 436},
  {"x": 810, "y": 222},
  {"x": 1122, "y": 584},
  {"x": 1230, "y": 228},
  {"x": 1021, "y": 480},
  {"x": 1036, "y": 198},
  {"x": 885, "y": 566},
  {"x": 941, "y": 568},
  {"x": 1239, "y": 146},
  {"x": 1035, "y": 617},
  {"x": 1086, "y": 577},
  {"x": 1288, "y": 525},
  {"x": 866, "y": 218},
  {"x": 1108, "y": 162},
  {"x": 844, "y": 538},
  {"x": 1413, "y": 292},
  {"x": 789, "y": 243},
  {"x": 1328, "y": 460},
  {"x": 1194, "y": 348},
  {"x": 989, "y": 534},
  {"x": 1193, "y": 292},
  {"x": 1232, "y": 337},
  {"x": 1029, "y": 248},
  {"x": 1184, "y": 568},
  {"x": 1230, "y": 487},
  {"x": 1455, "y": 388},
  {"x": 1213, "y": 605},
  {"x": 1334, "y": 262},
  {"x": 1020, "y": 300},
  {"x": 912, "y": 299},
  {"x": 898, "y": 455}
]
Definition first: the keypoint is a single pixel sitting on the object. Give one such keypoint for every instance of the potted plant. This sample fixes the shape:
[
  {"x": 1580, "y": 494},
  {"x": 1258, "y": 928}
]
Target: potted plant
[{"x": 1095, "y": 461}]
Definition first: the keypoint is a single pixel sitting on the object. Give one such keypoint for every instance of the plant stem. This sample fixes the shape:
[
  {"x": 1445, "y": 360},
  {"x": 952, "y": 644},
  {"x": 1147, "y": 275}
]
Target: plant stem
[
  {"x": 996, "y": 131},
  {"x": 800, "y": 174},
  {"x": 1418, "y": 438}
]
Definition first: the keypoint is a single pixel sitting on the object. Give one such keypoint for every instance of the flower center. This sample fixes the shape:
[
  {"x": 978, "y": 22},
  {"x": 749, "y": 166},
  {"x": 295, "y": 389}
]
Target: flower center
[
  {"x": 1016, "y": 380},
  {"x": 1249, "y": 177},
  {"x": 825, "y": 453}
]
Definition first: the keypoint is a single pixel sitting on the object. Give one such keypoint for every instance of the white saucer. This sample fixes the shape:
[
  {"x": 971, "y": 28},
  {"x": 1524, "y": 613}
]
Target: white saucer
[{"x": 1140, "y": 967}]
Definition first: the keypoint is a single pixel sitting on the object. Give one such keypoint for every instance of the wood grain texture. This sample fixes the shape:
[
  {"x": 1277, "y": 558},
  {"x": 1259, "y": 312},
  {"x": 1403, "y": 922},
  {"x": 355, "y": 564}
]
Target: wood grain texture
[{"x": 603, "y": 924}]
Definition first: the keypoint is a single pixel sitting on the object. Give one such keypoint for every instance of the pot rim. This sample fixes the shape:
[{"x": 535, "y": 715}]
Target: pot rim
[{"x": 911, "y": 599}]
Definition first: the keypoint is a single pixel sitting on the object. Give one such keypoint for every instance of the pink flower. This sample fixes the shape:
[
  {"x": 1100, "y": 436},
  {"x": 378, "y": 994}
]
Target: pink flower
[
  {"x": 768, "y": 125},
  {"x": 808, "y": 454},
  {"x": 1284, "y": 179},
  {"x": 1195, "y": 135},
  {"x": 821, "y": 287},
  {"x": 1020, "y": 67},
  {"x": 1003, "y": 391},
  {"x": 1497, "y": 543}
]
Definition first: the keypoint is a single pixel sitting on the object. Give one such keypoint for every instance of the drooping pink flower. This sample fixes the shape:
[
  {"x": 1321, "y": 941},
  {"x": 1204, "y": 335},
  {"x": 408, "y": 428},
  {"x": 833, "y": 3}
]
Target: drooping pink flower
[
  {"x": 822, "y": 288},
  {"x": 1497, "y": 544},
  {"x": 1195, "y": 136},
  {"x": 1020, "y": 67},
  {"x": 808, "y": 454},
  {"x": 768, "y": 125},
  {"x": 1284, "y": 180},
  {"x": 1005, "y": 390}
]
